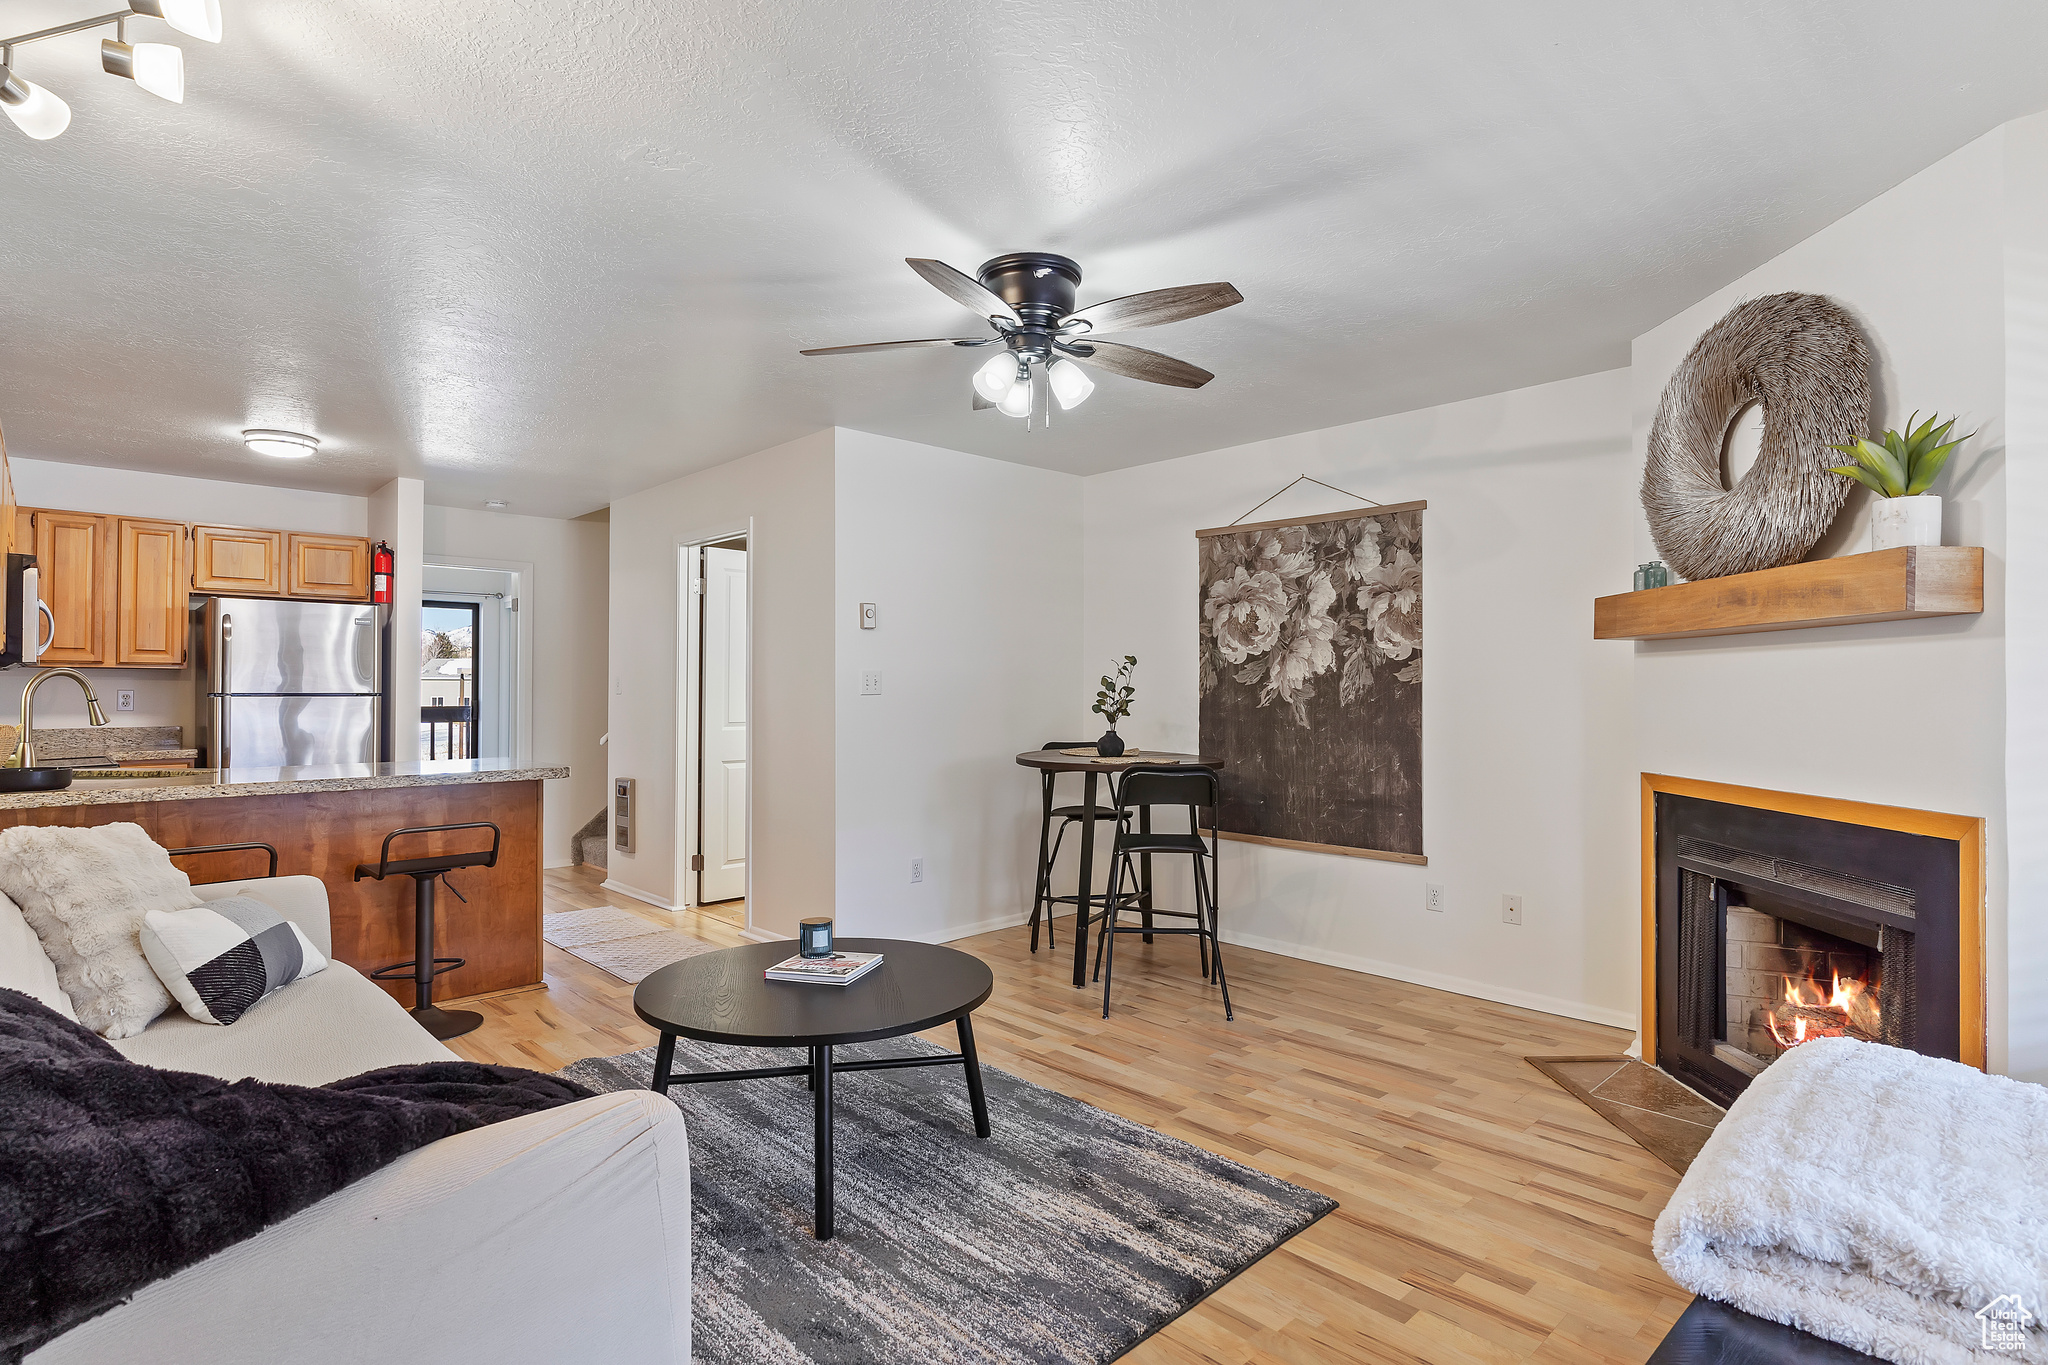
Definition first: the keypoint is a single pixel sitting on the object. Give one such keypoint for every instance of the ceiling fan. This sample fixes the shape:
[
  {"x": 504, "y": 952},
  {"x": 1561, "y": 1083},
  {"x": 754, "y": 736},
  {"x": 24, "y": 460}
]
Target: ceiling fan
[{"x": 1028, "y": 299}]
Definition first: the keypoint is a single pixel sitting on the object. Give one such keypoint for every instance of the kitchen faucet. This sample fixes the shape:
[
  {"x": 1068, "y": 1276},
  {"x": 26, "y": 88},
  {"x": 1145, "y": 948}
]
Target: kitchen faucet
[{"x": 24, "y": 755}]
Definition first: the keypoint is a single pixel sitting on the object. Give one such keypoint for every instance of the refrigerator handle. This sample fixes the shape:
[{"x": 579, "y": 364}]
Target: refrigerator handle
[{"x": 224, "y": 707}]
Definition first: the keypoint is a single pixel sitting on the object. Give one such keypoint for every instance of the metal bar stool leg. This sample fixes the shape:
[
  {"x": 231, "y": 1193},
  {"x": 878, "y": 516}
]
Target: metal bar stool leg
[
  {"x": 1043, "y": 884},
  {"x": 1109, "y": 931}
]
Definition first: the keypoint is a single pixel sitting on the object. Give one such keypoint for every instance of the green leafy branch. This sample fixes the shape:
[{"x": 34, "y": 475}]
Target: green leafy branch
[
  {"x": 1903, "y": 466},
  {"x": 1113, "y": 700}
]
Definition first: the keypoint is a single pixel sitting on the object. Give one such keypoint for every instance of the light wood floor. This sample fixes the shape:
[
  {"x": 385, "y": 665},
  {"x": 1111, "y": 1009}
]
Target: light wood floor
[{"x": 1486, "y": 1215}]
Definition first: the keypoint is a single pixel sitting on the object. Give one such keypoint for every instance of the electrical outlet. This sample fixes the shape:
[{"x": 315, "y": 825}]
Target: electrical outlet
[
  {"x": 124, "y": 700},
  {"x": 1433, "y": 898},
  {"x": 917, "y": 869},
  {"x": 1510, "y": 909},
  {"x": 871, "y": 684}
]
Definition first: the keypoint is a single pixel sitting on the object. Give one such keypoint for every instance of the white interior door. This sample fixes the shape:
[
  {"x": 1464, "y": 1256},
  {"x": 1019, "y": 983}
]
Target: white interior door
[{"x": 723, "y": 769}]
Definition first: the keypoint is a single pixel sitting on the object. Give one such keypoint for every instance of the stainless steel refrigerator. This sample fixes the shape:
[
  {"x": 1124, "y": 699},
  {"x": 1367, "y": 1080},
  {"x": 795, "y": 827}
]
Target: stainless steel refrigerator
[{"x": 284, "y": 684}]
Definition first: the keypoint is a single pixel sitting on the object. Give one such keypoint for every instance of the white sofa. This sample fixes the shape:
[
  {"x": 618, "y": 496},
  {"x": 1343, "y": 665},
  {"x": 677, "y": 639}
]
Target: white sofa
[{"x": 558, "y": 1237}]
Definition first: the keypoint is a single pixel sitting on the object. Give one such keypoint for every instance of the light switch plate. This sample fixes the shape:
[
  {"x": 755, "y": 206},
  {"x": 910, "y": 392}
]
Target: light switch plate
[
  {"x": 867, "y": 616},
  {"x": 871, "y": 684},
  {"x": 124, "y": 700}
]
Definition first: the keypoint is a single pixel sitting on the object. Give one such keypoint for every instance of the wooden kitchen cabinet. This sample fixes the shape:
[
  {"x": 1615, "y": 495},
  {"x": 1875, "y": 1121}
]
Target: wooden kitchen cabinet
[
  {"x": 75, "y": 553},
  {"x": 237, "y": 562},
  {"x": 331, "y": 567},
  {"x": 151, "y": 621}
]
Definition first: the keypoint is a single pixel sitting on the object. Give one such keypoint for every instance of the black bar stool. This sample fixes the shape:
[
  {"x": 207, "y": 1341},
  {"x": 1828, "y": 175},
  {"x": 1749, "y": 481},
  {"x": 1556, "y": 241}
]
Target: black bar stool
[
  {"x": 424, "y": 966},
  {"x": 1042, "y": 898},
  {"x": 1145, "y": 786}
]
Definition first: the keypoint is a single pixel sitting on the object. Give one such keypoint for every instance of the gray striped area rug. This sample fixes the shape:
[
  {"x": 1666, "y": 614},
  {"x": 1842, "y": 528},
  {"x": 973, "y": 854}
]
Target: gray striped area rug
[{"x": 1070, "y": 1235}]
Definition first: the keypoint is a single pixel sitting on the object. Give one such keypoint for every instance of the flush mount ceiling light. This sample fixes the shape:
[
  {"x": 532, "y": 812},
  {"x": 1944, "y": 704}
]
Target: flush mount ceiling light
[
  {"x": 496, "y": 506},
  {"x": 158, "y": 68},
  {"x": 1028, "y": 299},
  {"x": 285, "y": 445}
]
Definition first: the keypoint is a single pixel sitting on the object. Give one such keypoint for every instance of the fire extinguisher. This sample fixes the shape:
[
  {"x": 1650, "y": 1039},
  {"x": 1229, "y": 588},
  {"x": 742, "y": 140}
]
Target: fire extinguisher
[{"x": 381, "y": 569}]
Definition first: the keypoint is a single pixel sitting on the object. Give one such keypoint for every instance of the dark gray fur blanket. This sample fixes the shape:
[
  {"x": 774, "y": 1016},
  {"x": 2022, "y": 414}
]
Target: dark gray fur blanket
[{"x": 114, "y": 1174}]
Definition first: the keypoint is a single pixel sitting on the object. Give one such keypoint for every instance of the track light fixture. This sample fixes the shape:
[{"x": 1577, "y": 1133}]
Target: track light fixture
[{"x": 158, "y": 68}]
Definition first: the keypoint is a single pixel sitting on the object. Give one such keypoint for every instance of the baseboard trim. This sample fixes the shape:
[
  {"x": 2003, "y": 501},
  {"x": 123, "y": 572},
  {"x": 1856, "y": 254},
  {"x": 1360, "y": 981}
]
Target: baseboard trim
[
  {"x": 637, "y": 894},
  {"x": 753, "y": 935},
  {"x": 953, "y": 934},
  {"x": 1442, "y": 981}
]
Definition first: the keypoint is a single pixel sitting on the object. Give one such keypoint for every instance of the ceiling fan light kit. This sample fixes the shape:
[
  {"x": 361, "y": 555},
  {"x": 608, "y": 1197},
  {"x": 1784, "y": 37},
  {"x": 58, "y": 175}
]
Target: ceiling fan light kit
[
  {"x": 1027, "y": 298},
  {"x": 158, "y": 68}
]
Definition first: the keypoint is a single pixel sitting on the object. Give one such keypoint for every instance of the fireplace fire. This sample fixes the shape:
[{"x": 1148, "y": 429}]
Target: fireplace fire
[{"x": 1789, "y": 982}]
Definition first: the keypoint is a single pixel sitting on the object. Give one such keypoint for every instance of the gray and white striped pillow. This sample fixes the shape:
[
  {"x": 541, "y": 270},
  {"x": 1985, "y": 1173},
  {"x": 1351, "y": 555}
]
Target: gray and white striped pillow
[{"x": 219, "y": 958}]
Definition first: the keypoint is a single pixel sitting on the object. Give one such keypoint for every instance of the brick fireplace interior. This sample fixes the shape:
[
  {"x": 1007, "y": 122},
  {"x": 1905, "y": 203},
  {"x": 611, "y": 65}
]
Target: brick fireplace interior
[{"x": 1773, "y": 919}]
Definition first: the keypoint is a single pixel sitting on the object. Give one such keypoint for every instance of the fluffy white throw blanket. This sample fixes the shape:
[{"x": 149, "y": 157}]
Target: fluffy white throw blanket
[{"x": 1874, "y": 1197}]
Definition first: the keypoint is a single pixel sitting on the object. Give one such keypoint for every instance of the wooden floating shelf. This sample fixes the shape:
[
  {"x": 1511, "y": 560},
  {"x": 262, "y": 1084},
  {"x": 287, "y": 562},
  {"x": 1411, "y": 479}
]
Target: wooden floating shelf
[{"x": 1885, "y": 585}]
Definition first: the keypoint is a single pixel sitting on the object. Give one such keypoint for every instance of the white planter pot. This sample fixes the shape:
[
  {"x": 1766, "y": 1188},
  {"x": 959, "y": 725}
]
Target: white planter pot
[{"x": 1905, "y": 521}]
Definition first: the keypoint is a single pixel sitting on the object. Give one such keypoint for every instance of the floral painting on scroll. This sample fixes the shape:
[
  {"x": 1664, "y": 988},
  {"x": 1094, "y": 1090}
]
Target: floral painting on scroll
[{"x": 1311, "y": 679}]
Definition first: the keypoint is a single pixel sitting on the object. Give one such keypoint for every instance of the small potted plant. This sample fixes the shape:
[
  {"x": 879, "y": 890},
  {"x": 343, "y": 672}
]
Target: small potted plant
[
  {"x": 1900, "y": 471},
  {"x": 1113, "y": 703}
]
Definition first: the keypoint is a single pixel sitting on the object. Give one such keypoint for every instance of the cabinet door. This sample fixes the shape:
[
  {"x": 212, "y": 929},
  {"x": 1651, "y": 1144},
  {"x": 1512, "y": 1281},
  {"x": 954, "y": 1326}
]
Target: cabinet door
[
  {"x": 74, "y": 558},
  {"x": 151, "y": 620},
  {"x": 335, "y": 567},
  {"x": 236, "y": 562}
]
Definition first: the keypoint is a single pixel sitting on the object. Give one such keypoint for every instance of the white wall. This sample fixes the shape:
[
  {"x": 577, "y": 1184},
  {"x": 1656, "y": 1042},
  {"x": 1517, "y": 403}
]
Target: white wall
[
  {"x": 397, "y": 518},
  {"x": 2025, "y": 957},
  {"x": 783, "y": 500},
  {"x": 1525, "y": 716},
  {"x": 975, "y": 569},
  {"x": 162, "y": 696},
  {"x": 1907, "y": 713},
  {"x": 563, "y": 612}
]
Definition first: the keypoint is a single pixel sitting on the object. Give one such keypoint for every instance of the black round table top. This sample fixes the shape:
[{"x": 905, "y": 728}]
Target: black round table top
[
  {"x": 1053, "y": 761},
  {"x": 721, "y": 997}
]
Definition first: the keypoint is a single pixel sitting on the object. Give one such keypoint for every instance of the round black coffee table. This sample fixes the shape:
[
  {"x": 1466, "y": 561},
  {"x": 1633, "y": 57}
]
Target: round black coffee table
[{"x": 722, "y": 997}]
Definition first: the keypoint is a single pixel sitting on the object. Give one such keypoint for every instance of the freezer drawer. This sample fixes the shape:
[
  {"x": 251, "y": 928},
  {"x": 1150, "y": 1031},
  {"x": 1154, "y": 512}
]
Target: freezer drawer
[{"x": 289, "y": 732}]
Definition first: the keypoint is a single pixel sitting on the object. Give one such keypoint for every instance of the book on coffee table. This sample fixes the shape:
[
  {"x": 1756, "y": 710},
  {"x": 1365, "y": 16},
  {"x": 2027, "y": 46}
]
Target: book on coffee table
[{"x": 835, "y": 970}]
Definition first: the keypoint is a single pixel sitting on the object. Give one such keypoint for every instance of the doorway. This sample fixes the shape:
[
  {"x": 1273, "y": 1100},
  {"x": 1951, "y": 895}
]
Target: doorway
[
  {"x": 715, "y": 721},
  {"x": 473, "y": 657},
  {"x": 448, "y": 678}
]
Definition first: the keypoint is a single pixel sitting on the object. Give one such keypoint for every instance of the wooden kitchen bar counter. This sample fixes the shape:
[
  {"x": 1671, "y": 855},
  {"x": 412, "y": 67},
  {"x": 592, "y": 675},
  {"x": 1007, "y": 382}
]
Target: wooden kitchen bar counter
[{"x": 323, "y": 821}]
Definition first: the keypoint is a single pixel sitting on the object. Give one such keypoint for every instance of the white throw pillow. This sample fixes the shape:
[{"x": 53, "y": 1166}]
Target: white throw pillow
[
  {"x": 24, "y": 966},
  {"x": 84, "y": 892},
  {"x": 222, "y": 957}
]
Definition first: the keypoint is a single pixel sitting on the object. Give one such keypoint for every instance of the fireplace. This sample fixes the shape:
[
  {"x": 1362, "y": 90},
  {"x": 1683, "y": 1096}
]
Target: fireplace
[{"x": 1774, "y": 919}]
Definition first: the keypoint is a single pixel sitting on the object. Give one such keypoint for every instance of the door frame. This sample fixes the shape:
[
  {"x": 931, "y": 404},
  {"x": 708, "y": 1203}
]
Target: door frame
[
  {"x": 521, "y": 683},
  {"x": 690, "y": 710}
]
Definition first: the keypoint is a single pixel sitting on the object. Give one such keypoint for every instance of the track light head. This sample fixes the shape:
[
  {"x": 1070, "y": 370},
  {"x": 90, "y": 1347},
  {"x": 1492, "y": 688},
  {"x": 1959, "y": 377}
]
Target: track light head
[
  {"x": 34, "y": 110},
  {"x": 158, "y": 68},
  {"x": 198, "y": 18}
]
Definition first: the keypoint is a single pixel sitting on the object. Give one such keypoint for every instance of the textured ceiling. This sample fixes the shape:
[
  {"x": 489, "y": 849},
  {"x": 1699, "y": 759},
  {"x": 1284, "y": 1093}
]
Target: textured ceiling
[{"x": 555, "y": 253}]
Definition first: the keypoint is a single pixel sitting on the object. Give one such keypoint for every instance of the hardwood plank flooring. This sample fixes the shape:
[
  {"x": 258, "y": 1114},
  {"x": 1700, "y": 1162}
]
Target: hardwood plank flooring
[{"x": 1487, "y": 1215}]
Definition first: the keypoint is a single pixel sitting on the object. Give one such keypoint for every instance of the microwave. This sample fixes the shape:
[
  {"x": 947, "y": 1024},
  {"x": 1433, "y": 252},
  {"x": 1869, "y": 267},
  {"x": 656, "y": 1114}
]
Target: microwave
[{"x": 26, "y": 612}]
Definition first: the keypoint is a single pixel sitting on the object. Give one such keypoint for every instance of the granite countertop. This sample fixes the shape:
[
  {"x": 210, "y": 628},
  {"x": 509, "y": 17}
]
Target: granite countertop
[{"x": 185, "y": 784}]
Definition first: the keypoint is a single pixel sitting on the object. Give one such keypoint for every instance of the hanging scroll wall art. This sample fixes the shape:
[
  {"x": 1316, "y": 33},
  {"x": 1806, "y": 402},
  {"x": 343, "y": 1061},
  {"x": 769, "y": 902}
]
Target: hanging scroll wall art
[{"x": 1311, "y": 680}]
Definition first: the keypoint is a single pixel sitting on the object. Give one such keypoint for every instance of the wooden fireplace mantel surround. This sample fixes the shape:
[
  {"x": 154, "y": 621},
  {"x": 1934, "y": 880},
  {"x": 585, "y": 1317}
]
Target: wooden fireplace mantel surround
[{"x": 1966, "y": 830}]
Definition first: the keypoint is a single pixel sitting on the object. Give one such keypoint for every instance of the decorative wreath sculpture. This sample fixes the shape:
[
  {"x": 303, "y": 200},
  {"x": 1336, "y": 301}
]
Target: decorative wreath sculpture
[{"x": 1803, "y": 358}]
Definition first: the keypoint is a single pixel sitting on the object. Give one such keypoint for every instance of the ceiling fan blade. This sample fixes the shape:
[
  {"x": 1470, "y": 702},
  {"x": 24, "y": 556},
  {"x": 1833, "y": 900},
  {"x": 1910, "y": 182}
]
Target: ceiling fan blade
[
  {"x": 898, "y": 345},
  {"x": 1135, "y": 362},
  {"x": 1155, "y": 307},
  {"x": 968, "y": 293}
]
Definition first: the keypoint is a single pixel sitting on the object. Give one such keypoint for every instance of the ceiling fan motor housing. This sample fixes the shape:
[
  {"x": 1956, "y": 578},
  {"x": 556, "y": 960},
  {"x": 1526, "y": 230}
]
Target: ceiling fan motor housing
[{"x": 1038, "y": 284}]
